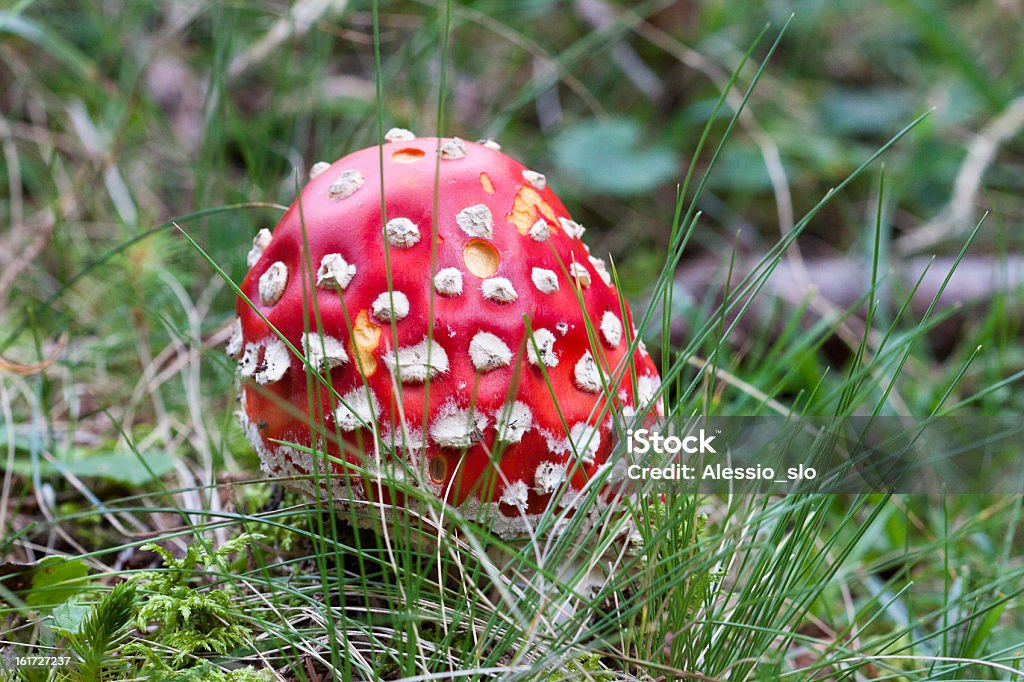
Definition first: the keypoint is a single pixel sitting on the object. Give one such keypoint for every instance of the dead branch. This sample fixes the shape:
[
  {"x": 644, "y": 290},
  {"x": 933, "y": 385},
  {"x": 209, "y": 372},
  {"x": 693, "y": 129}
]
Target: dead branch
[{"x": 844, "y": 282}]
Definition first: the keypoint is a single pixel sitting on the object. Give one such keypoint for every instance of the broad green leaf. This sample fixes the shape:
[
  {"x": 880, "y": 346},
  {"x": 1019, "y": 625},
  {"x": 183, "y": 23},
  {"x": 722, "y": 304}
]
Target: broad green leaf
[
  {"x": 740, "y": 169},
  {"x": 50, "y": 581},
  {"x": 124, "y": 467},
  {"x": 67, "y": 618},
  {"x": 611, "y": 157},
  {"x": 866, "y": 111},
  {"x": 121, "y": 467}
]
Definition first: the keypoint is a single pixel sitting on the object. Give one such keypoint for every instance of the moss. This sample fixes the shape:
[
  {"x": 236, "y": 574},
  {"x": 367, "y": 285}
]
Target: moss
[
  {"x": 193, "y": 621},
  {"x": 587, "y": 666}
]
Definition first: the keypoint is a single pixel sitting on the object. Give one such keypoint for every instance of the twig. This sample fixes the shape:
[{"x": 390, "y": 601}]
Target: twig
[
  {"x": 957, "y": 216},
  {"x": 300, "y": 19},
  {"x": 751, "y": 390},
  {"x": 35, "y": 367},
  {"x": 643, "y": 78},
  {"x": 844, "y": 280}
]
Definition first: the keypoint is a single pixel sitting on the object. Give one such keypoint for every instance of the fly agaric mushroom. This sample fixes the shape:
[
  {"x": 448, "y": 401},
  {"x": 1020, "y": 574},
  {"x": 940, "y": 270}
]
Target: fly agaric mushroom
[{"x": 457, "y": 337}]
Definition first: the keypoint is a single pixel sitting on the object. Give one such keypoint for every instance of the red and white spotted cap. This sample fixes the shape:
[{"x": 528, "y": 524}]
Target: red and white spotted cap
[{"x": 472, "y": 359}]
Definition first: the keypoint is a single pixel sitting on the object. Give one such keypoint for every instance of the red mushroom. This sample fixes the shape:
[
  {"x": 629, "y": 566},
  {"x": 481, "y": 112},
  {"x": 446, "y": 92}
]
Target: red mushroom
[{"x": 472, "y": 355}]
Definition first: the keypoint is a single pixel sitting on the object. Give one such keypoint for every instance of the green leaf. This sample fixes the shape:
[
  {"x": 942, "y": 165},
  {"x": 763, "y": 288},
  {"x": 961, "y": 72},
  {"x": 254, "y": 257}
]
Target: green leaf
[
  {"x": 49, "y": 582},
  {"x": 740, "y": 169},
  {"x": 609, "y": 157},
  {"x": 68, "y": 617},
  {"x": 124, "y": 467},
  {"x": 120, "y": 467},
  {"x": 866, "y": 111}
]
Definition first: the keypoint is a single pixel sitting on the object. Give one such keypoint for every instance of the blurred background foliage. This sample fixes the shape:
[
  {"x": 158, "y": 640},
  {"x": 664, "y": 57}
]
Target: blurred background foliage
[{"x": 192, "y": 107}]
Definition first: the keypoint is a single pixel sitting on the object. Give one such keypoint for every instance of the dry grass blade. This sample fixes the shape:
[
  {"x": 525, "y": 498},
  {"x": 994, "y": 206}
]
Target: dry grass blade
[
  {"x": 27, "y": 368},
  {"x": 300, "y": 19}
]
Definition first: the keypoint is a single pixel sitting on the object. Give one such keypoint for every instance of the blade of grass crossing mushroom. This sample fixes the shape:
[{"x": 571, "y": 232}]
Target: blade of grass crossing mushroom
[
  {"x": 444, "y": 21},
  {"x": 345, "y": 447},
  {"x": 632, "y": 346},
  {"x": 444, "y": 25},
  {"x": 384, "y": 525},
  {"x": 564, "y": 485},
  {"x": 596, "y": 352},
  {"x": 322, "y": 466},
  {"x": 294, "y": 351}
]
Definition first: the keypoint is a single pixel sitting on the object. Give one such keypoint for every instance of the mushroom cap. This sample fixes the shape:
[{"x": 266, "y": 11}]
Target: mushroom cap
[{"x": 473, "y": 359}]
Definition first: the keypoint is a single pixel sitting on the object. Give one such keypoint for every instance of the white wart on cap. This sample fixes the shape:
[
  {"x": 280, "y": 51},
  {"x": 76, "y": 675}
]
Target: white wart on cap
[
  {"x": 390, "y": 305},
  {"x": 448, "y": 282},
  {"x": 359, "y": 407},
  {"x": 541, "y": 348},
  {"x": 418, "y": 362},
  {"x": 476, "y": 221},
  {"x": 402, "y": 233},
  {"x": 334, "y": 271},
  {"x": 489, "y": 352}
]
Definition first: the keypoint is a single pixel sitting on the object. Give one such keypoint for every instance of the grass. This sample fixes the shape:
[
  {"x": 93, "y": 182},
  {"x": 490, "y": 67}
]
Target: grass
[{"x": 123, "y": 441}]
